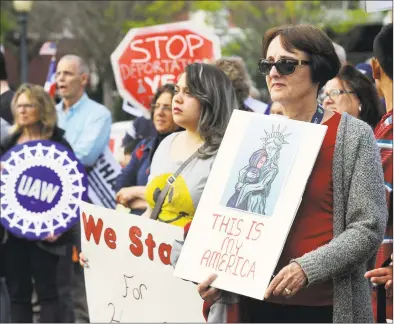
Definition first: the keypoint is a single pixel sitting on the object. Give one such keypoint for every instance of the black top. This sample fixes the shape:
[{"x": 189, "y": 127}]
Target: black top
[
  {"x": 5, "y": 106},
  {"x": 12, "y": 140}
]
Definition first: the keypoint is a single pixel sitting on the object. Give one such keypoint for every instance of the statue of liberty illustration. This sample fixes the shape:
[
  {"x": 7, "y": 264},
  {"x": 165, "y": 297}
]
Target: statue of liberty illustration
[{"x": 255, "y": 179}]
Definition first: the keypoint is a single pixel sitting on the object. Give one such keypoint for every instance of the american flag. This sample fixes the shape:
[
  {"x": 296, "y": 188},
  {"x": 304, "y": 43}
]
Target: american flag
[
  {"x": 48, "y": 48},
  {"x": 50, "y": 83}
]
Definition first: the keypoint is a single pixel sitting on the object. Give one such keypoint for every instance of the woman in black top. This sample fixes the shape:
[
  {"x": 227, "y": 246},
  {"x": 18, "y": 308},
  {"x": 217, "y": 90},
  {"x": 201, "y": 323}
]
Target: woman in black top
[{"x": 21, "y": 259}]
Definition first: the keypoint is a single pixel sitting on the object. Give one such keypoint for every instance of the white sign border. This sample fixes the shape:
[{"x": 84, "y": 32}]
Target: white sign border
[
  {"x": 187, "y": 305},
  {"x": 286, "y": 206},
  {"x": 189, "y": 25}
]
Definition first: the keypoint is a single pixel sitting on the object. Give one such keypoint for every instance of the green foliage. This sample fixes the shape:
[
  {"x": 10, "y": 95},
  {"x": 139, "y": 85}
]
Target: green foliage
[
  {"x": 110, "y": 12},
  {"x": 102, "y": 24},
  {"x": 210, "y": 6},
  {"x": 7, "y": 23},
  {"x": 294, "y": 12},
  {"x": 163, "y": 8},
  {"x": 354, "y": 17},
  {"x": 256, "y": 17},
  {"x": 149, "y": 13},
  {"x": 130, "y": 24},
  {"x": 232, "y": 48},
  {"x": 242, "y": 8}
]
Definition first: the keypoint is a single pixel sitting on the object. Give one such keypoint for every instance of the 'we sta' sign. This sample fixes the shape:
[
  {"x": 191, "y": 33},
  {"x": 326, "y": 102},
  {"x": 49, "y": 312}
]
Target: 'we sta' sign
[{"x": 149, "y": 57}]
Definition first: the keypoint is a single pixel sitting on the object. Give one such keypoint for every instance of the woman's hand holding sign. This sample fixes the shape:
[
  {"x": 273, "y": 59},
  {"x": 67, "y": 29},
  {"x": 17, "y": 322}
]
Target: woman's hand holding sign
[
  {"x": 132, "y": 197},
  {"x": 288, "y": 282},
  {"x": 125, "y": 195},
  {"x": 207, "y": 292},
  {"x": 83, "y": 261},
  {"x": 382, "y": 276}
]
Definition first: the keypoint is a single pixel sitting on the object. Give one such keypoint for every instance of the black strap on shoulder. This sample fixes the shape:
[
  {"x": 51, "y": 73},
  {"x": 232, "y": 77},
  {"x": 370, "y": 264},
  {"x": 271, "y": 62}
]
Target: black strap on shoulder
[{"x": 171, "y": 179}]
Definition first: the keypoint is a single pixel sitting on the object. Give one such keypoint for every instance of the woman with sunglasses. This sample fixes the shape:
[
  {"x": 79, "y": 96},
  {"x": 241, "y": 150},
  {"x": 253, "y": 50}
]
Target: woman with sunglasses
[
  {"x": 352, "y": 92},
  {"x": 341, "y": 219},
  {"x": 130, "y": 184}
]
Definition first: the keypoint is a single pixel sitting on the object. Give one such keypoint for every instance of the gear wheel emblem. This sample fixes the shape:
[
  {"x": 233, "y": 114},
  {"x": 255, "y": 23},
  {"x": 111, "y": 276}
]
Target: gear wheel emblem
[{"x": 41, "y": 185}]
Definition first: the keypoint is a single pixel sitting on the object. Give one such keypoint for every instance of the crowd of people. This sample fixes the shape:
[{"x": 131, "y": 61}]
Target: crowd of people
[{"x": 335, "y": 263}]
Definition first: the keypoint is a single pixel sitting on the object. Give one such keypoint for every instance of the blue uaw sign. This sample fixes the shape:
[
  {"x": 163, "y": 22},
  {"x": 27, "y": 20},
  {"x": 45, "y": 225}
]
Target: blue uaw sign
[{"x": 41, "y": 184}]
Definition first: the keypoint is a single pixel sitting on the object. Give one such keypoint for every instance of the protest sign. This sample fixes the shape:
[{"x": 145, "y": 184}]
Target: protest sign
[
  {"x": 118, "y": 132},
  {"x": 249, "y": 202},
  {"x": 130, "y": 278},
  {"x": 375, "y": 6},
  {"x": 41, "y": 184},
  {"x": 149, "y": 57},
  {"x": 130, "y": 109},
  {"x": 102, "y": 178}
]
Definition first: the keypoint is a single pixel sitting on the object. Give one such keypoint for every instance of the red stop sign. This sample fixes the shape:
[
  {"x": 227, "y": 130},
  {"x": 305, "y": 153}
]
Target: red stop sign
[{"x": 149, "y": 57}]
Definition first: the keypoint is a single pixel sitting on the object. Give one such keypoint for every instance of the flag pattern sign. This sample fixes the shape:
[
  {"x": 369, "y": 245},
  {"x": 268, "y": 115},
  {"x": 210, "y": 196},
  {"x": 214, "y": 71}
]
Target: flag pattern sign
[
  {"x": 50, "y": 83},
  {"x": 48, "y": 48}
]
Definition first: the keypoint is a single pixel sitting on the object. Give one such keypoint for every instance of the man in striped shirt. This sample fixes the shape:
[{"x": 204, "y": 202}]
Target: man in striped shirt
[{"x": 382, "y": 67}]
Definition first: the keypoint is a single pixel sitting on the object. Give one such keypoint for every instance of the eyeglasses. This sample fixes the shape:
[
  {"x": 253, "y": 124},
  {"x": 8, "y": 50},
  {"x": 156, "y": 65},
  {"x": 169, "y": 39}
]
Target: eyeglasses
[
  {"x": 164, "y": 108},
  {"x": 283, "y": 66},
  {"x": 27, "y": 106},
  {"x": 333, "y": 94}
]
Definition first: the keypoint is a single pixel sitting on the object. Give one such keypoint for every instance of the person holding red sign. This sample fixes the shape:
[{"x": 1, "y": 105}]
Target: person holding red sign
[{"x": 202, "y": 105}]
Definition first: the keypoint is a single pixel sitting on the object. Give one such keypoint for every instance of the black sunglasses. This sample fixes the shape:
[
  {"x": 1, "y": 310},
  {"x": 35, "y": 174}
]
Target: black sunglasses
[{"x": 283, "y": 66}]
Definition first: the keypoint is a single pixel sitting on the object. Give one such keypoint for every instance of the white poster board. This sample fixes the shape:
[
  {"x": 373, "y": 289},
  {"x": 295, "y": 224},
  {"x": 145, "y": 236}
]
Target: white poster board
[
  {"x": 129, "y": 278},
  {"x": 102, "y": 177},
  {"x": 243, "y": 247},
  {"x": 374, "y": 6}
]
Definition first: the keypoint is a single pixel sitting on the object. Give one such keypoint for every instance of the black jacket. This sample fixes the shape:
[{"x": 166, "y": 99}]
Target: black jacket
[
  {"x": 57, "y": 247},
  {"x": 12, "y": 139}
]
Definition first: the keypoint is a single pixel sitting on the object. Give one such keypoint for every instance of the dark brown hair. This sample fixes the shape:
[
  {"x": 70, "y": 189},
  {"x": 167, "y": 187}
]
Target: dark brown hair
[
  {"x": 169, "y": 88},
  {"x": 324, "y": 61},
  {"x": 365, "y": 91},
  {"x": 215, "y": 92},
  {"x": 383, "y": 49}
]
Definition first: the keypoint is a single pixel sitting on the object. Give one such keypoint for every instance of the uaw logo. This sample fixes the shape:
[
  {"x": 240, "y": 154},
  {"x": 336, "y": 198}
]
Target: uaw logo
[{"x": 41, "y": 185}]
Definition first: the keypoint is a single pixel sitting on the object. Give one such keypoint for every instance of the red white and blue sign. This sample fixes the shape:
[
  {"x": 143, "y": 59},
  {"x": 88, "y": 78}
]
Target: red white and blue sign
[
  {"x": 41, "y": 185},
  {"x": 50, "y": 83}
]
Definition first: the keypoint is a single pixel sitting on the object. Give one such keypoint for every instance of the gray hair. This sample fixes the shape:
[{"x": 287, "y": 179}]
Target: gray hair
[
  {"x": 215, "y": 92},
  {"x": 235, "y": 69},
  {"x": 82, "y": 65},
  {"x": 341, "y": 53}
]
